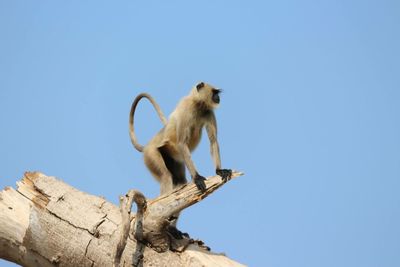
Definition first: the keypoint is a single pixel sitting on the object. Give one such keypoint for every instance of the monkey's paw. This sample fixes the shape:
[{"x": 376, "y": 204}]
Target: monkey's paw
[
  {"x": 199, "y": 181},
  {"x": 225, "y": 174}
]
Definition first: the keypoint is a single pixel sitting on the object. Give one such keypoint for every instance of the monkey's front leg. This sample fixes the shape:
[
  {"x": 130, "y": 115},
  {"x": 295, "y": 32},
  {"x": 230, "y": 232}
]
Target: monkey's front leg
[
  {"x": 199, "y": 182},
  {"x": 196, "y": 177},
  {"x": 225, "y": 174},
  {"x": 211, "y": 128}
]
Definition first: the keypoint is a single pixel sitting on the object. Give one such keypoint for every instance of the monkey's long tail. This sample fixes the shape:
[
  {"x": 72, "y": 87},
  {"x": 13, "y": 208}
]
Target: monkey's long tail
[{"x": 135, "y": 143}]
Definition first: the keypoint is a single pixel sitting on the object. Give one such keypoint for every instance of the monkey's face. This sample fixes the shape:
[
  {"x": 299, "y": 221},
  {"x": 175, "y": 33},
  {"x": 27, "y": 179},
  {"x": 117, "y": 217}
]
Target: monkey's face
[
  {"x": 208, "y": 94},
  {"x": 215, "y": 95}
]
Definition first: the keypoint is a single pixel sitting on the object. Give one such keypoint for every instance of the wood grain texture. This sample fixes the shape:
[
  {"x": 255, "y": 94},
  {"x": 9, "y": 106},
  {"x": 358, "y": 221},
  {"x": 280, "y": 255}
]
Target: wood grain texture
[{"x": 46, "y": 222}]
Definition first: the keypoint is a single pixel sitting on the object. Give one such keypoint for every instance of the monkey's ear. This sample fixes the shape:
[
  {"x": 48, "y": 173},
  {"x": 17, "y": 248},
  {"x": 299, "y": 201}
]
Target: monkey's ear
[{"x": 199, "y": 86}]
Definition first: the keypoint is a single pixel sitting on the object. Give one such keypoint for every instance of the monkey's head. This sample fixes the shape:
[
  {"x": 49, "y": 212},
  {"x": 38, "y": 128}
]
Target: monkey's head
[{"x": 207, "y": 94}]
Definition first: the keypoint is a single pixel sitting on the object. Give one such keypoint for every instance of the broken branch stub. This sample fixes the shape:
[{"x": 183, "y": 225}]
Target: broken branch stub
[{"x": 125, "y": 208}]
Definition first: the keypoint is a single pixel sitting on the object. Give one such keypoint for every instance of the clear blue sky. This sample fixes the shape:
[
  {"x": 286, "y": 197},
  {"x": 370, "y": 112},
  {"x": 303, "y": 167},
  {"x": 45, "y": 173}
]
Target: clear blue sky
[{"x": 310, "y": 112}]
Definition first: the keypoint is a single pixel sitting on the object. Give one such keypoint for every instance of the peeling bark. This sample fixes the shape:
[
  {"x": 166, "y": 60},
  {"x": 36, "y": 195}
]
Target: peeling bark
[{"x": 46, "y": 222}]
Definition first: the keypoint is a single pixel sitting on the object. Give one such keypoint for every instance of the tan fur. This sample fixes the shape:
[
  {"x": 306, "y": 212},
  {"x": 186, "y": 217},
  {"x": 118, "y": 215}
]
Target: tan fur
[{"x": 169, "y": 151}]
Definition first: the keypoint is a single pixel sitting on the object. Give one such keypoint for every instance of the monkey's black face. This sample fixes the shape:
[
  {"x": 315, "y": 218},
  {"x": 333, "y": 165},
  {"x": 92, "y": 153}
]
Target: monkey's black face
[{"x": 215, "y": 96}]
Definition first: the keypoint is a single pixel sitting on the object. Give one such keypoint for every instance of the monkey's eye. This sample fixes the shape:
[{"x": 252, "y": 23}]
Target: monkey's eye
[{"x": 216, "y": 91}]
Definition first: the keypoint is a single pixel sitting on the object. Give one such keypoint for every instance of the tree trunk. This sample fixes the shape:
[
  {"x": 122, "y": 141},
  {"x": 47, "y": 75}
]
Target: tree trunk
[{"x": 46, "y": 222}]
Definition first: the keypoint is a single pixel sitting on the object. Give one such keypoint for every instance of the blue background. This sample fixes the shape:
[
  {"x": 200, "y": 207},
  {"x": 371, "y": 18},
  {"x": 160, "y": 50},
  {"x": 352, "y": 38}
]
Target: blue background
[{"x": 310, "y": 112}]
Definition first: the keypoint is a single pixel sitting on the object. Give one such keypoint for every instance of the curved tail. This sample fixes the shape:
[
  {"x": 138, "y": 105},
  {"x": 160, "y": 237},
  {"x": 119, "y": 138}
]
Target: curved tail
[{"x": 135, "y": 143}]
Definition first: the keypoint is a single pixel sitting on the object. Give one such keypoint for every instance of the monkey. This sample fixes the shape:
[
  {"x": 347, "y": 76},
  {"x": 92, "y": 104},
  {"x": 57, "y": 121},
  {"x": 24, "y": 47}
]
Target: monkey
[{"x": 169, "y": 151}]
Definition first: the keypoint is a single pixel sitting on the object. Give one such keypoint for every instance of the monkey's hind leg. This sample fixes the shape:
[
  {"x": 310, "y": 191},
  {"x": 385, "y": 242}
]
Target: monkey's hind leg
[
  {"x": 177, "y": 169},
  {"x": 156, "y": 165}
]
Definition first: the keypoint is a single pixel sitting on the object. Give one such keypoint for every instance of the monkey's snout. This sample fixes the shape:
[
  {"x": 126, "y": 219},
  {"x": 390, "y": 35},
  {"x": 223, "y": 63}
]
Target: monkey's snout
[{"x": 216, "y": 99}]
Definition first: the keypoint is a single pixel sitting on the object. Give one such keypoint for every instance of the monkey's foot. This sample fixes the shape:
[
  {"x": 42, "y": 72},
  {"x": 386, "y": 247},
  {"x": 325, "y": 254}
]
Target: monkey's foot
[
  {"x": 180, "y": 241},
  {"x": 201, "y": 244},
  {"x": 172, "y": 230},
  {"x": 226, "y": 174},
  {"x": 199, "y": 181}
]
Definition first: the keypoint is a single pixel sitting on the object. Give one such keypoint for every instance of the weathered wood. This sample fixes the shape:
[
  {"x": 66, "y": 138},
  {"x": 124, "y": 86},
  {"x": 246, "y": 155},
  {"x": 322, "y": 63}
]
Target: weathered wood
[
  {"x": 161, "y": 209},
  {"x": 141, "y": 203},
  {"x": 125, "y": 208},
  {"x": 46, "y": 222}
]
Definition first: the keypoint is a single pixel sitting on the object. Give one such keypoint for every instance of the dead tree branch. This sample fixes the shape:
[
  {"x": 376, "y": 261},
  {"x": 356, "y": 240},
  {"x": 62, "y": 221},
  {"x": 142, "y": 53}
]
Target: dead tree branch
[{"x": 45, "y": 222}]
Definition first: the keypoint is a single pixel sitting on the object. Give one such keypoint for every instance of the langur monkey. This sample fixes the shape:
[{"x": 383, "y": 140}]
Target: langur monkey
[{"x": 169, "y": 151}]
